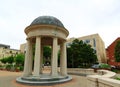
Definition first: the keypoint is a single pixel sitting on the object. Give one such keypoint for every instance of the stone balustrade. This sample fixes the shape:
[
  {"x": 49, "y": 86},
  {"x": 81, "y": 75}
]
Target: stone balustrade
[
  {"x": 80, "y": 71},
  {"x": 106, "y": 73},
  {"x": 103, "y": 79}
]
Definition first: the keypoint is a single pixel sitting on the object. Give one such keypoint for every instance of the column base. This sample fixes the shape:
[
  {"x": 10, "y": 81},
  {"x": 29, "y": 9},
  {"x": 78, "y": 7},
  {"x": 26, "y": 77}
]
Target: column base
[
  {"x": 36, "y": 75},
  {"x": 44, "y": 79},
  {"x": 54, "y": 75}
]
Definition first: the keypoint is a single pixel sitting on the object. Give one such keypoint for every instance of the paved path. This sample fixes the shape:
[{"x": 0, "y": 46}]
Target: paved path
[{"x": 7, "y": 79}]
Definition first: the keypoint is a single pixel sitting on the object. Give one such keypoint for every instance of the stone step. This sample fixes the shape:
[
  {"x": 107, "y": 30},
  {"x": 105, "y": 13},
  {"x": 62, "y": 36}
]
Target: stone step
[{"x": 43, "y": 81}]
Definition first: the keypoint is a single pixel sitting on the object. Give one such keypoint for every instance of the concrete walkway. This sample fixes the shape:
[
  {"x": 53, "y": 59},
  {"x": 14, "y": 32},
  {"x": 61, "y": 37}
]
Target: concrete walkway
[{"x": 7, "y": 79}]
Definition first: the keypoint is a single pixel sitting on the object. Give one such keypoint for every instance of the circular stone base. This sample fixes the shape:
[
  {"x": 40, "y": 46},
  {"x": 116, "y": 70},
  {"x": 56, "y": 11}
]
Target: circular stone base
[{"x": 43, "y": 80}]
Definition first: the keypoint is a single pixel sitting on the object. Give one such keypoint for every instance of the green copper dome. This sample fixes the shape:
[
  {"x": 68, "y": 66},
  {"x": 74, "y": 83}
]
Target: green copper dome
[{"x": 49, "y": 20}]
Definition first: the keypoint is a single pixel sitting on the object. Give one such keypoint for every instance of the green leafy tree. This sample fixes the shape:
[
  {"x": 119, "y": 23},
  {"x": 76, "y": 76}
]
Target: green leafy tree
[
  {"x": 80, "y": 54},
  {"x": 117, "y": 51},
  {"x": 70, "y": 60},
  {"x": 4, "y": 60},
  {"x": 46, "y": 54},
  {"x": 47, "y": 51},
  {"x": 10, "y": 59},
  {"x": 19, "y": 59}
]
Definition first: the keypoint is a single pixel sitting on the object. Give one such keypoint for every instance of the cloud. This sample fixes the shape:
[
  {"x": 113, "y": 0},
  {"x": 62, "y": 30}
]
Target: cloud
[{"x": 80, "y": 17}]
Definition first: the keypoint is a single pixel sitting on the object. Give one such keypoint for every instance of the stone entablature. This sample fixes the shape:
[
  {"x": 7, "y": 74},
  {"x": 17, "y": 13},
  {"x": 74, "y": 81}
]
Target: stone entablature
[{"x": 46, "y": 30}]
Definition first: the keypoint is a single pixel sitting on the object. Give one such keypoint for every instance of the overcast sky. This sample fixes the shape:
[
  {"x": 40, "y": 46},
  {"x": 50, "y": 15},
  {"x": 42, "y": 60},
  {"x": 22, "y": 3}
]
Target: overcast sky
[{"x": 80, "y": 17}]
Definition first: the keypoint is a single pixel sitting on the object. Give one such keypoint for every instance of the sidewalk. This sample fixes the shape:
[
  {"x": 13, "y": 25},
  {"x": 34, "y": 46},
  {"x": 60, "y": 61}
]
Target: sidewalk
[{"x": 7, "y": 79}]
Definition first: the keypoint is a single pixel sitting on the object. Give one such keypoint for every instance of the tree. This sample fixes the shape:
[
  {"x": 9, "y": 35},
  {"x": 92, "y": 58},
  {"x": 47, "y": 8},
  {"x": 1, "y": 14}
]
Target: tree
[
  {"x": 47, "y": 54},
  {"x": 70, "y": 60},
  {"x": 80, "y": 54},
  {"x": 10, "y": 59},
  {"x": 19, "y": 59},
  {"x": 117, "y": 51},
  {"x": 4, "y": 60},
  {"x": 47, "y": 51}
]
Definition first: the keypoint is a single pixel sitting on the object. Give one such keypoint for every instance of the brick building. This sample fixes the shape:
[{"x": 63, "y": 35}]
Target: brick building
[{"x": 110, "y": 53}]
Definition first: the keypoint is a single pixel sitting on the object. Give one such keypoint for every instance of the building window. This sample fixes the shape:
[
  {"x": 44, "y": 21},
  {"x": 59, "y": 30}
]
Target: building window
[
  {"x": 95, "y": 51},
  {"x": 16, "y": 52},
  {"x": 68, "y": 44},
  {"x": 87, "y": 41},
  {"x": 94, "y": 42},
  {"x": 10, "y": 51},
  {"x": 5, "y": 47},
  {"x": 24, "y": 52}
]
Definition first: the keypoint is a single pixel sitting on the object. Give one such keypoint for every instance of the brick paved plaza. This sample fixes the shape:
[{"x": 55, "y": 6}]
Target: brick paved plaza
[{"x": 7, "y": 79}]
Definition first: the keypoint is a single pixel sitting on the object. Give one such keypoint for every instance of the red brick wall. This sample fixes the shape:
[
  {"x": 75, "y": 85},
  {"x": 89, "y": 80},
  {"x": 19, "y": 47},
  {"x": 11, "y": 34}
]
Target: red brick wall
[{"x": 110, "y": 53}]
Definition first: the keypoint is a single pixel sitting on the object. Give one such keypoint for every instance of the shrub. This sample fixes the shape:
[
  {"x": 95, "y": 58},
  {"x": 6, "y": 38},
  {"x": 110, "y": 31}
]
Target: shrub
[
  {"x": 19, "y": 59},
  {"x": 3, "y": 60},
  {"x": 117, "y": 78},
  {"x": 103, "y": 65},
  {"x": 10, "y": 59},
  {"x": 21, "y": 68},
  {"x": 1, "y": 67},
  {"x": 8, "y": 67}
]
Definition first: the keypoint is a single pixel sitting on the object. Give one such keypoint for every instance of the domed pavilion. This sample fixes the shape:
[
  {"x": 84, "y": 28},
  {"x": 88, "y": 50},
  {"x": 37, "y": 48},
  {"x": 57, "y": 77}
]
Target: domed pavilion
[{"x": 45, "y": 31}]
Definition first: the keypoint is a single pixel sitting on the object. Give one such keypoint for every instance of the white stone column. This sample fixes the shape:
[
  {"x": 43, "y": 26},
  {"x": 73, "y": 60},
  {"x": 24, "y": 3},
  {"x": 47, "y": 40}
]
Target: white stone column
[
  {"x": 55, "y": 57},
  {"x": 36, "y": 71},
  {"x": 26, "y": 71},
  {"x": 30, "y": 58},
  {"x": 41, "y": 60},
  {"x": 63, "y": 59},
  {"x": 51, "y": 58}
]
